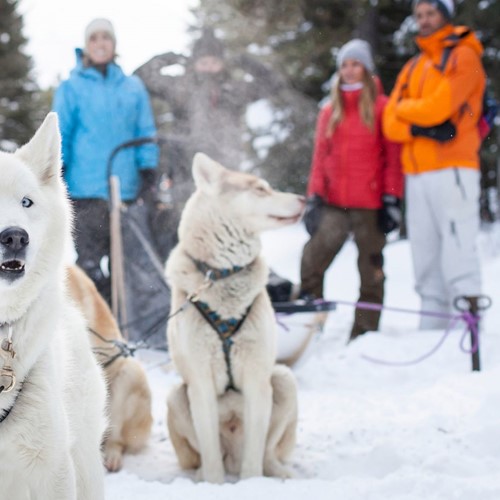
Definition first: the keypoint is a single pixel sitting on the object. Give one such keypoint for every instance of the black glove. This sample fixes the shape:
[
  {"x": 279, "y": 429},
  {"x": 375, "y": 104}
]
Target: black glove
[
  {"x": 444, "y": 132},
  {"x": 389, "y": 216},
  {"x": 313, "y": 213},
  {"x": 147, "y": 192}
]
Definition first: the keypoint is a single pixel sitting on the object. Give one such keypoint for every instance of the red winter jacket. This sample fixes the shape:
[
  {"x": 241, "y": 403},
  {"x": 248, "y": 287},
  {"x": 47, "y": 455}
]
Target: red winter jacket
[{"x": 354, "y": 167}]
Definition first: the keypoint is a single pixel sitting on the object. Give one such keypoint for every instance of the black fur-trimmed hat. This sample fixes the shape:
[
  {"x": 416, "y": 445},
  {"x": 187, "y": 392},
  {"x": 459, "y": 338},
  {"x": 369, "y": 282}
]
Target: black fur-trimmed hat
[{"x": 208, "y": 45}]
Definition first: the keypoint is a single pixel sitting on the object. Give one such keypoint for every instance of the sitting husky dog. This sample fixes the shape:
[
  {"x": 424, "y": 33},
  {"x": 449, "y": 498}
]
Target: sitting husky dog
[
  {"x": 52, "y": 392},
  {"x": 235, "y": 410}
]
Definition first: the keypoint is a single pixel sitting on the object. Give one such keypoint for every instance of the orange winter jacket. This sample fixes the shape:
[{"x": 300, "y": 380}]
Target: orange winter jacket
[{"x": 425, "y": 95}]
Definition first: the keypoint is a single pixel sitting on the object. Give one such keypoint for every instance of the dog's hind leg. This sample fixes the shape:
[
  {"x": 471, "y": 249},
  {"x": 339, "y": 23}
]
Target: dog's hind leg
[
  {"x": 282, "y": 430},
  {"x": 181, "y": 429},
  {"x": 130, "y": 414}
]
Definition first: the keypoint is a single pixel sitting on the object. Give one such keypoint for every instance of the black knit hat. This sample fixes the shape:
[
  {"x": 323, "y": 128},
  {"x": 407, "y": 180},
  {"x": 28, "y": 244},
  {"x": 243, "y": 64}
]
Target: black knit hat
[
  {"x": 446, "y": 7},
  {"x": 208, "y": 45}
]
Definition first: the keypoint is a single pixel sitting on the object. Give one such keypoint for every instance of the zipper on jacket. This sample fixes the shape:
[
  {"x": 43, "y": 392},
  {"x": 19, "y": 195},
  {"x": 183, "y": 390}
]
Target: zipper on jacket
[{"x": 459, "y": 184}]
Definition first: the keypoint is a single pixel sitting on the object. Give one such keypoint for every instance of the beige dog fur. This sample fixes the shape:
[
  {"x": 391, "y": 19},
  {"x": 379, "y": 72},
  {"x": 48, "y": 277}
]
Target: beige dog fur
[
  {"x": 129, "y": 395},
  {"x": 220, "y": 226}
]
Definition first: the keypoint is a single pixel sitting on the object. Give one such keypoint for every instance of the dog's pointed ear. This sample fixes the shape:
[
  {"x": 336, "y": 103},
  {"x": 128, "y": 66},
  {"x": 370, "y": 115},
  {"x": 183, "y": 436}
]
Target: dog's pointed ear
[
  {"x": 206, "y": 172},
  {"x": 43, "y": 152}
]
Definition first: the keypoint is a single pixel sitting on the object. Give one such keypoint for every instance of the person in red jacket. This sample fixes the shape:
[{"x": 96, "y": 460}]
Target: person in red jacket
[{"x": 355, "y": 184}]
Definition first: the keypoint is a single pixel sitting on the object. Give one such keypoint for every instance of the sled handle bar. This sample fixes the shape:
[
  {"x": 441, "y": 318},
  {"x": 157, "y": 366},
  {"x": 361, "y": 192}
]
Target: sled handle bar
[
  {"x": 133, "y": 143},
  {"x": 301, "y": 306},
  {"x": 140, "y": 141}
]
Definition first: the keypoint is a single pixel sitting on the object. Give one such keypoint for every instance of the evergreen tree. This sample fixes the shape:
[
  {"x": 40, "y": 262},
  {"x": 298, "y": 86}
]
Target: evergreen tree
[
  {"x": 300, "y": 39},
  {"x": 484, "y": 17},
  {"x": 18, "y": 91}
]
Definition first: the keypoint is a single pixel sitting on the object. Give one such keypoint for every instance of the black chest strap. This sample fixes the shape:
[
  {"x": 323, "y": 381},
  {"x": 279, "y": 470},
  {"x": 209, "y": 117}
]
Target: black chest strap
[{"x": 5, "y": 413}]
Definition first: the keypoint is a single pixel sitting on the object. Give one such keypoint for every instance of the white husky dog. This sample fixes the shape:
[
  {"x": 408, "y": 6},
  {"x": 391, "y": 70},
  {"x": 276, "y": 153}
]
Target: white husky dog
[
  {"x": 52, "y": 393},
  {"x": 236, "y": 411}
]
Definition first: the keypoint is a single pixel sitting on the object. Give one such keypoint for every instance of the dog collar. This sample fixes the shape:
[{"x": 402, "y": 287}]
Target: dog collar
[{"x": 214, "y": 274}]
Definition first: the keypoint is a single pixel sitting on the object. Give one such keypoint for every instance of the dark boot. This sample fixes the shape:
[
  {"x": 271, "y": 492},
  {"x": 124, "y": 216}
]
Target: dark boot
[{"x": 356, "y": 331}]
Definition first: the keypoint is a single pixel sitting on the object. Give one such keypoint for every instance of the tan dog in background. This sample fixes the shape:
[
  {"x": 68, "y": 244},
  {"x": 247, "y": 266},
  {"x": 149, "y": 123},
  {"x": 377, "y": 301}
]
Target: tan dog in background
[{"x": 129, "y": 395}]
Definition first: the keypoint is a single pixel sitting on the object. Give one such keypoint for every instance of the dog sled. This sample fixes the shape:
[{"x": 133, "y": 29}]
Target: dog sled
[{"x": 141, "y": 297}]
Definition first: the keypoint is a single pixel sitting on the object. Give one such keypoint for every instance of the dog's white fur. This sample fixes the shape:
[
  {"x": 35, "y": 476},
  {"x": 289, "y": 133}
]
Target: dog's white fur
[
  {"x": 220, "y": 226},
  {"x": 50, "y": 441},
  {"x": 129, "y": 395}
]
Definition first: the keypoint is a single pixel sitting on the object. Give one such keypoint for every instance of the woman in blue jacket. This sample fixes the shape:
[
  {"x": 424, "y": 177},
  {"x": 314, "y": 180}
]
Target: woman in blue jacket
[{"x": 99, "y": 107}]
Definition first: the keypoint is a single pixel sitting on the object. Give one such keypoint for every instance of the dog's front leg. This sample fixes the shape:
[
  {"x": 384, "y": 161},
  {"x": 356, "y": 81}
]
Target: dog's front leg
[
  {"x": 56, "y": 484},
  {"x": 257, "y": 396},
  {"x": 204, "y": 410}
]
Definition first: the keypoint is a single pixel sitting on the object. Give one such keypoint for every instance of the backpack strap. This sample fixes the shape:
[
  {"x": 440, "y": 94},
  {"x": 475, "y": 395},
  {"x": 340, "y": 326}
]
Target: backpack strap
[
  {"x": 404, "y": 87},
  {"x": 454, "y": 40}
]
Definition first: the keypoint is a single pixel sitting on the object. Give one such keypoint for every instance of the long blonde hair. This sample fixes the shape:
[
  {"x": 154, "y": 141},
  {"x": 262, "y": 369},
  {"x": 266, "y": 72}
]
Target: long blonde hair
[{"x": 366, "y": 102}]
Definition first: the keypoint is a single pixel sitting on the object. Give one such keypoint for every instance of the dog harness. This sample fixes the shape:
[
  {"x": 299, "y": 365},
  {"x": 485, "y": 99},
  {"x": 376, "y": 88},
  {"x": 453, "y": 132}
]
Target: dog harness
[{"x": 225, "y": 328}]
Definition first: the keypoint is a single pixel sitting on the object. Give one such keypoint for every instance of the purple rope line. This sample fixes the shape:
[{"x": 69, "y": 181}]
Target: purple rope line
[{"x": 470, "y": 320}]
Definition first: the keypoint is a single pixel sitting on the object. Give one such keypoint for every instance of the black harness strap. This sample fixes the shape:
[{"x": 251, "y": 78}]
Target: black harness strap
[
  {"x": 123, "y": 349},
  {"x": 225, "y": 329},
  {"x": 7, "y": 411}
]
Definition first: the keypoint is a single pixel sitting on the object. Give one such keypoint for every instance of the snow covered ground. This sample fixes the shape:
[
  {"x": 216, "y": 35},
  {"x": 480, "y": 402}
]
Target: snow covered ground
[{"x": 366, "y": 431}]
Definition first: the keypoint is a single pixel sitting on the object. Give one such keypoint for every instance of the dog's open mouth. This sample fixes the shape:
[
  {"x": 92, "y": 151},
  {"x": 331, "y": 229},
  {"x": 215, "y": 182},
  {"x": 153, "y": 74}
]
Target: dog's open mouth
[{"x": 13, "y": 268}]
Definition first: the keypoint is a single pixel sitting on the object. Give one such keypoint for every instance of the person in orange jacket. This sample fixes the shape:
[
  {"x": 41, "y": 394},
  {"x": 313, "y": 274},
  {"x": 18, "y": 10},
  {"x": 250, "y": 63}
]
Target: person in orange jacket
[
  {"x": 356, "y": 177},
  {"x": 434, "y": 111}
]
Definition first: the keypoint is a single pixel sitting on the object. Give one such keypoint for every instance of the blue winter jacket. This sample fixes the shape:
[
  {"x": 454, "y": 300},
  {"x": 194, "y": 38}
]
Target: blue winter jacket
[{"x": 96, "y": 114}]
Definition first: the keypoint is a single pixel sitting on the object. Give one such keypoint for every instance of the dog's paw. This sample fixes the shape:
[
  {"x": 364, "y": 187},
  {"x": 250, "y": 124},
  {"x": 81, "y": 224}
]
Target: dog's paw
[
  {"x": 248, "y": 472},
  {"x": 274, "y": 468},
  {"x": 211, "y": 475},
  {"x": 113, "y": 457}
]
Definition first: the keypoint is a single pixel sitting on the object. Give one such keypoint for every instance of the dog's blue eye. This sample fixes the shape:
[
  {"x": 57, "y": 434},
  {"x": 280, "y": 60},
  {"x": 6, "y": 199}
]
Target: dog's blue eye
[{"x": 26, "y": 202}]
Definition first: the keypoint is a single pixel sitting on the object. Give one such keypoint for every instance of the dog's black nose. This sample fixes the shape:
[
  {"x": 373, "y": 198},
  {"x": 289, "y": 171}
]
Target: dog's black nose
[{"x": 14, "y": 238}]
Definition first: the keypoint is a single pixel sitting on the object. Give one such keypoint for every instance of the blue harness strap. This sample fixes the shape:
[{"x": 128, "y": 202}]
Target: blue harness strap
[
  {"x": 215, "y": 274},
  {"x": 225, "y": 329}
]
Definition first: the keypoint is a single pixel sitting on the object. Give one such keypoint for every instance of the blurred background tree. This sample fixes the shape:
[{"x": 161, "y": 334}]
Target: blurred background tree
[
  {"x": 19, "y": 97},
  {"x": 300, "y": 39}
]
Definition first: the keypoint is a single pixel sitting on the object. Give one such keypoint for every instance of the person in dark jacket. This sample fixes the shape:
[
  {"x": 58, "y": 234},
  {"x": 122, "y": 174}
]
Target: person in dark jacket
[
  {"x": 99, "y": 107},
  {"x": 355, "y": 184},
  {"x": 206, "y": 96}
]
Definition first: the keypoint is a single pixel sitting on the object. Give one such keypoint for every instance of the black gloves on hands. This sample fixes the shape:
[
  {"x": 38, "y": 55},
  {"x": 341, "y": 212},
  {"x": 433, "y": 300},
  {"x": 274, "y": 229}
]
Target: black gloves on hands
[
  {"x": 147, "y": 192},
  {"x": 444, "y": 132},
  {"x": 389, "y": 216},
  {"x": 312, "y": 213}
]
